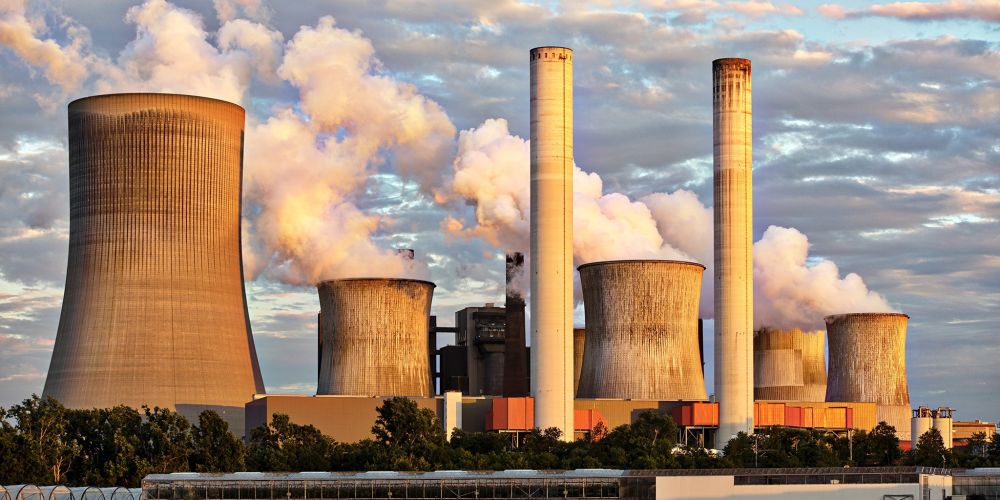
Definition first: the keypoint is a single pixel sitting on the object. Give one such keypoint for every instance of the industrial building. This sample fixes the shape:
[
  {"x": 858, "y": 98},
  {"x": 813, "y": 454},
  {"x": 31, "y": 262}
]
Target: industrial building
[
  {"x": 868, "y": 364},
  {"x": 789, "y": 365},
  {"x": 732, "y": 158},
  {"x": 820, "y": 483},
  {"x": 551, "y": 70},
  {"x": 642, "y": 330},
  {"x": 375, "y": 334},
  {"x": 154, "y": 311}
]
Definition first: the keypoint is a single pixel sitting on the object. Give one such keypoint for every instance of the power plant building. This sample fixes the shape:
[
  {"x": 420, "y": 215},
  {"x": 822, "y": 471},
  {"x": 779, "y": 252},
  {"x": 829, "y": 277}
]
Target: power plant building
[
  {"x": 642, "y": 330},
  {"x": 154, "y": 311},
  {"x": 732, "y": 129},
  {"x": 868, "y": 364},
  {"x": 551, "y": 71},
  {"x": 375, "y": 334},
  {"x": 789, "y": 365}
]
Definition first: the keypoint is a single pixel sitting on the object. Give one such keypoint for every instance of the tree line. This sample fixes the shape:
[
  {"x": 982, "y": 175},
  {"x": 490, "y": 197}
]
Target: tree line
[{"x": 42, "y": 442}]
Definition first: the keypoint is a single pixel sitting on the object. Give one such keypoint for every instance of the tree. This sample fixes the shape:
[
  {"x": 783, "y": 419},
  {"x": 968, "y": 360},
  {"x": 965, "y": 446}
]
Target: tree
[
  {"x": 647, "y": 443},
  {"x": 216, "y": 449},
  {"x": 930, "y": 450},
  {"x": 42, "y": 444},
  {"x": 287, "y": 447},
  {"x": 109, "y": 446},
  {"x": 165, "y": 441},
  {"x": 881, "y": 446},
  {"x": 402, "y": 423},
  {"x": 993, "y": 450}
]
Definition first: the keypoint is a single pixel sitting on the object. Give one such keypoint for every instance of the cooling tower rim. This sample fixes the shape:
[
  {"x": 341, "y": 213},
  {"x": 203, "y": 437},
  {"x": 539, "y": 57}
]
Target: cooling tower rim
[
  {"x": 640, "y": 261},
  {"x": 543, "y": 47},
  {"x": 834, "y": 317},
  {"x": 158, "y": 94},
  {"x": 377, "y": 280}
]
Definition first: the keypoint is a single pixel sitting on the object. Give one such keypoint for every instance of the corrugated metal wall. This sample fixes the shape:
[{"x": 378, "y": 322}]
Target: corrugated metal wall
[{"x": 642, "y": 330}]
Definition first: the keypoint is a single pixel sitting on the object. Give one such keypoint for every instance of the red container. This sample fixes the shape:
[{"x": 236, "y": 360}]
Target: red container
[{"x": 793, "y": 416}]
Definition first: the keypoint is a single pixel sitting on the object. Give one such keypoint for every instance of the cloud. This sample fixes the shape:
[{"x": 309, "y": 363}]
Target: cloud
[
  {"x": 972, "y": 10},
  {"x": 65, "y": 65}
]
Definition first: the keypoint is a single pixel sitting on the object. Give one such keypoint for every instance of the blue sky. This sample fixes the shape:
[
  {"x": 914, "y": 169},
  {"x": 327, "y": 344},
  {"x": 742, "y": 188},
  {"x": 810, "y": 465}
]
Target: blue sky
[{"x": 875, "y": 137}]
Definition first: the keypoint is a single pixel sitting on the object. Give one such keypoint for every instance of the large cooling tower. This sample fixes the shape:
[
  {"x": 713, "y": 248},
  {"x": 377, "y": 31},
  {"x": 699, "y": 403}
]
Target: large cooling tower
[
  {"x": 868, "y": 364},
  {"x": 154, "y": 311},
  {"x": 733, "y": 195},
  {"x": 375, "y": 337},
  {"x": 642, "y": 330},
  {"x": 552, "y": 237},
  {"x": 789, "y": 365}
]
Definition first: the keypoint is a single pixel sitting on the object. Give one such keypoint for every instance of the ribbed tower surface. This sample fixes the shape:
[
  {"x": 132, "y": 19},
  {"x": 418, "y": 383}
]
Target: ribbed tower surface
[
  {"x": 154, "y": 311},
  {"x": 868, "y": 364},
  {"x": 642, "y": 330},
  {"x": 551, "y": 71},
  {"x": 789, "y": 365},
  {"x": 375, "y": 337},
  {"x": 732, "y": 129}
]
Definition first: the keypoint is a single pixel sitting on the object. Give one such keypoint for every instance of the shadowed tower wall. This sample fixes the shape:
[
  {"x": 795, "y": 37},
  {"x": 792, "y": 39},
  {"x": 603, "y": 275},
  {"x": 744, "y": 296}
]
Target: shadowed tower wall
[
  {"x": 552, "y": 237},
  {"x": 154, "y": 311},
  {"x": 641, "y": 339},
  {"x": 733, "y": 165},
  {"x": 789, "y": 365},
  {"x": 868, "y": 364}
]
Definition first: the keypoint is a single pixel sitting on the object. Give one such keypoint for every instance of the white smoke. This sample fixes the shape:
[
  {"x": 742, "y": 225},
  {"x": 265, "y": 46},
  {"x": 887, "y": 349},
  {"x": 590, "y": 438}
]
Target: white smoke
[
  {"x": 306, "y": 163},
  {"x": 791, "y": 293},
  {"x": 492, "y": 170}
]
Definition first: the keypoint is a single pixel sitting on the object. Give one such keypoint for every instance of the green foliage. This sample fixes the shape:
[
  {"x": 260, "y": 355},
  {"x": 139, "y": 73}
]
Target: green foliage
[
  {"x": 930, "y": 451},
  {"x": 216, "y": 449},
  {"x": 784, "y": 447},
  {"x": 285, "y": 446}
]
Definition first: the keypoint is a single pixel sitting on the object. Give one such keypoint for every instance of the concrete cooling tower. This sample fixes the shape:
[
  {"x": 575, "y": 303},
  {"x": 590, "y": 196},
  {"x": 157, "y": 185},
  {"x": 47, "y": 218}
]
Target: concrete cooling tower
[
  {"x": 868, "y": 364},
  {"x": 579, "y": 337},
  {"x": 375, "y": 337},
  {"x": 154, "y": 311},
  {"x": 789, "y": 365},
  {"x": 642, "y": 330}
]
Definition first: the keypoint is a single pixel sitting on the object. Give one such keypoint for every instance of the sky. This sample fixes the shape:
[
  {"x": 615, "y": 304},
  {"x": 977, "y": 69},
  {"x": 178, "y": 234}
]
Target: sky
[{"x": 380, "y": 125}]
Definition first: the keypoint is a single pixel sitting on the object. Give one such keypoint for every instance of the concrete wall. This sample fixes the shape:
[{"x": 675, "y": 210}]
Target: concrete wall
[
  {"x": 717, "y": 487},
  {"x": 154, "y": 311}
]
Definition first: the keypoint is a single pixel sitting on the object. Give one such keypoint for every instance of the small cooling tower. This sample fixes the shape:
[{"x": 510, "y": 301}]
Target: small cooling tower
[
  {"x": 642, "y": 330},
  {"x": 868, "y": 364},
  {"x": 375, "y": 337}
]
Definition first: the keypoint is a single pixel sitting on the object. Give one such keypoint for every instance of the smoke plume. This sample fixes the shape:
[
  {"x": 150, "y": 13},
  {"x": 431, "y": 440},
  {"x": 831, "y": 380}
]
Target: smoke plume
[
  {"x": 789, "y": 292},
  {"x": 307, "y": 162}
]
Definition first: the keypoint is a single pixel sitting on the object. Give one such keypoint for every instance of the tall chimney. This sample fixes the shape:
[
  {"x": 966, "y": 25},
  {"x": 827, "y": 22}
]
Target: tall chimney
[
  {"x": 515, "y": 362},
  {"x": 733, "y": 165},
  {"x": 552, "y": 237}
]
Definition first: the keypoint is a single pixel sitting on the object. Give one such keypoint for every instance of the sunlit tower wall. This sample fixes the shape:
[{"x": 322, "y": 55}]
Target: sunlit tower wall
[
  {"x": 789, "y": 365},
  {"x": 375, "y": 337},
  {"x": 154, "y": 311},
  {"x": 579, "y": 338},
  {"x": 552, "y": 237},
  {"x": 642, "y": 330},
  {"x": 733, "y": 187},
  {"x": 868, "y": 364}
]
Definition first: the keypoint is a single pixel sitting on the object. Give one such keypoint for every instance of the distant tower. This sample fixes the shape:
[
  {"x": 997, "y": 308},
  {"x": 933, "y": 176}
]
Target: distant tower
[
  {"x": 733, "y": 166},
  {"x": 515, "y": 354},
  {"x": 789, "y": 365},
  {"x": 154, "y": 311},
  {"x": 552, "y": 237}
]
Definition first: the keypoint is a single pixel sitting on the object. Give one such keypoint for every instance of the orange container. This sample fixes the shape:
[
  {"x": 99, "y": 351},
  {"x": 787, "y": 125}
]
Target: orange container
[{"x": 793, "y": 416}]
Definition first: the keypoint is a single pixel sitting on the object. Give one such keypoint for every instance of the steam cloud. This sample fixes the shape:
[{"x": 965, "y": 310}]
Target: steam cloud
[
  {"x": 491, "y": 171},
  {"x": 308, "y": 161}
]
